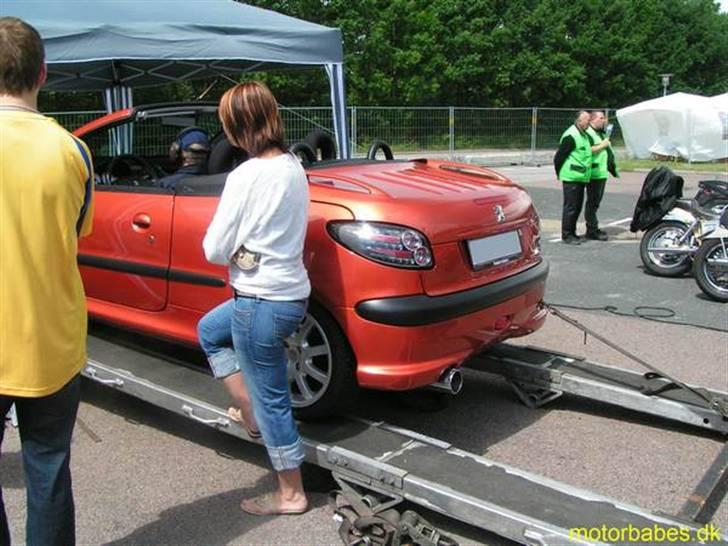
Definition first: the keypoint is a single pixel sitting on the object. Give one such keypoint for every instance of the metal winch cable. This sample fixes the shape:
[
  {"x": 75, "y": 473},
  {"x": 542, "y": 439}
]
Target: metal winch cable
[{"x": 715, "y": 404}]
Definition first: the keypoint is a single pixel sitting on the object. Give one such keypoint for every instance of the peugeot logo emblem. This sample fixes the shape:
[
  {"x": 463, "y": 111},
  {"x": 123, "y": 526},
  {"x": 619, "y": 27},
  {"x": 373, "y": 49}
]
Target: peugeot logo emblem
[{"x": 500, "y": 216}]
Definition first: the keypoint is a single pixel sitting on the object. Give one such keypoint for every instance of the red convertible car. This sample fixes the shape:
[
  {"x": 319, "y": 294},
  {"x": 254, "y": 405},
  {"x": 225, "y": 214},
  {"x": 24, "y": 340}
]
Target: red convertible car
[{"x": 415, "y": 265}]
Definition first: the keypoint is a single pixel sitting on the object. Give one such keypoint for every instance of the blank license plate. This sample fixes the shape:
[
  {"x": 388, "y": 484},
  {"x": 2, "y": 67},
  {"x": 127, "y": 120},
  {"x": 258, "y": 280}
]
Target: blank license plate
[{"x": 494, "y": 249}]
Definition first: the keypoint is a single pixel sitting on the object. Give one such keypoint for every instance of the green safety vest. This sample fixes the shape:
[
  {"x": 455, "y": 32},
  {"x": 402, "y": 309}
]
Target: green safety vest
[
  {"x": 599, "y": 169},
  {"x": 577, "y": 167}
]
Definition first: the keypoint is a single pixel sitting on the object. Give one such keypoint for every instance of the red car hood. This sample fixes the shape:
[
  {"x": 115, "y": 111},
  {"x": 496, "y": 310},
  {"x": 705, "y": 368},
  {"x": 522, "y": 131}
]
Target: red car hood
[{"x": 449, "y": 201}]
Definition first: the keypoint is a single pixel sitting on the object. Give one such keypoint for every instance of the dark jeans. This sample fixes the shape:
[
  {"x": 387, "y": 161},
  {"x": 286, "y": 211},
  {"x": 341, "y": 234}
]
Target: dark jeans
[
  {"x": 46, "y": 427},
  {"x": 573, "y": 201}
]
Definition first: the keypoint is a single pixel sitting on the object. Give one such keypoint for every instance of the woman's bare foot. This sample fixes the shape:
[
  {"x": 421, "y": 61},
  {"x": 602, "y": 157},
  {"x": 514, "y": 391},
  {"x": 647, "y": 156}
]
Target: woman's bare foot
[
  {"x": 271, "y": 504},
  {"x": 242, "y": 412},
  {"x": 237, "y": 415}
]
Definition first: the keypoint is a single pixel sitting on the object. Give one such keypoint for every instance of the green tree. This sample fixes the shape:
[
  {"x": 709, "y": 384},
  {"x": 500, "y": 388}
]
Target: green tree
[{"x": 495, "y": 53}]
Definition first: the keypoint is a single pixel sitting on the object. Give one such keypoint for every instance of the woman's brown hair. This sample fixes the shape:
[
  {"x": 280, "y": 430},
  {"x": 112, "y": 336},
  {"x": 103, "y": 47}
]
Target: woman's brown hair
[{"x": 249, "y": 114}]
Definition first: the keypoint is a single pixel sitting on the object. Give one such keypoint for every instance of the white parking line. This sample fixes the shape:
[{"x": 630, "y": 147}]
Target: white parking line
[
  {"x": 615, "y": 223},
  {"x": 622, "y": 221}
]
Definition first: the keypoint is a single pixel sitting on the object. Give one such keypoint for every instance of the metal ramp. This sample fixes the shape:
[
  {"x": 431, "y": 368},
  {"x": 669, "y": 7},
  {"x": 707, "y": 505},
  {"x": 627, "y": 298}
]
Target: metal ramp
[
  {"x": 394, "y": 462},
  {"x": 539, "y": 376}
]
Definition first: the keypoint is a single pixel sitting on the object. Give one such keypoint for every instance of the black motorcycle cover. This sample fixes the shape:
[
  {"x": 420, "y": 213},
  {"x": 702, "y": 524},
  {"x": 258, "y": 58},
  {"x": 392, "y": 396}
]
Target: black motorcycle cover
[{"x": 660, "y": 190}]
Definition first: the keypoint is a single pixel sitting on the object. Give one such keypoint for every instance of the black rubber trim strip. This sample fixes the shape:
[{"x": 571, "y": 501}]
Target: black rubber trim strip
[
  {"x": 123, "y": 266},
  {"x": 150, "y": 271},
  {"x": 129, "y": 188},
  {"x": 176, "y": 275},
  {"x": 422, "y": 309}
]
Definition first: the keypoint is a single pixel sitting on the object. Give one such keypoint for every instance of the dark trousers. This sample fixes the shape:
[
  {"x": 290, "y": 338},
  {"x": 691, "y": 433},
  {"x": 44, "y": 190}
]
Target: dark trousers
[
  {"x": 594, "y": 194},
  {"x": 46, "y": 426},
  {"x": 573, "y": 202}
]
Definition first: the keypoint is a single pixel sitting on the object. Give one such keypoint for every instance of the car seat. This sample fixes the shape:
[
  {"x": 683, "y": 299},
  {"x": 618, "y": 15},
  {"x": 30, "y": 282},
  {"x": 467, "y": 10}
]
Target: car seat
[{"x": 224, "y": 157}]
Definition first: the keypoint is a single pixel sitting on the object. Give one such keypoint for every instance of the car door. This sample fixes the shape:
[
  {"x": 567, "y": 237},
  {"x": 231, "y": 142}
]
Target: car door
[
  {"x": 195, "y": 283},
  {"x": 126, "y": 258}
]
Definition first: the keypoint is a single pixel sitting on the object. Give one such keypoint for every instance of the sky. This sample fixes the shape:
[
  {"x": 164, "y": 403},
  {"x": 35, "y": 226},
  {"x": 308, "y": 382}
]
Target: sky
[{"x": 724, "y": 6}]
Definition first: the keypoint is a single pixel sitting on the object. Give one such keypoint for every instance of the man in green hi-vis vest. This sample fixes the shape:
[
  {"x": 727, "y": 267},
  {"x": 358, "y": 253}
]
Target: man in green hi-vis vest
[
  {"x": 603, "y": 163},
  {"x": 573, "y": 163}
]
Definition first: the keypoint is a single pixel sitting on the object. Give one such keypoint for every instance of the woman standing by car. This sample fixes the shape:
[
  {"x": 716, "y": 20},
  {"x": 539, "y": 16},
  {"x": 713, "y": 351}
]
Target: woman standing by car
[{"x": 258, "y": 230}]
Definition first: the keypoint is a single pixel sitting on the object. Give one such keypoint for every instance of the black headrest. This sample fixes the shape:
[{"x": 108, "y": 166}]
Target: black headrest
[
  {"x": 224, "y": 157},
  {"x": 321, "y": 141}
]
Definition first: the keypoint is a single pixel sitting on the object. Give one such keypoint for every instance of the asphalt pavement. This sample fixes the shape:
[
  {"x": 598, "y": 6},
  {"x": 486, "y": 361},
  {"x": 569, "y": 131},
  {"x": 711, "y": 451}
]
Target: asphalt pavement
[
  {"x": 596, "y": 274},
  {"x": 145, "y": 476}
]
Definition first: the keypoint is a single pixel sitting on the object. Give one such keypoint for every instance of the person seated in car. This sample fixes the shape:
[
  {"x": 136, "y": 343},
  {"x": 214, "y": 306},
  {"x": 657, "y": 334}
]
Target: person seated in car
[{"x": 190, "y": 151}]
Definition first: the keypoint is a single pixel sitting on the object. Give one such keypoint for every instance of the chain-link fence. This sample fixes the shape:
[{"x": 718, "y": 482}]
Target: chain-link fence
[
  {"x": 519, "y": 135},
  {"x": 74, "y": 120}
]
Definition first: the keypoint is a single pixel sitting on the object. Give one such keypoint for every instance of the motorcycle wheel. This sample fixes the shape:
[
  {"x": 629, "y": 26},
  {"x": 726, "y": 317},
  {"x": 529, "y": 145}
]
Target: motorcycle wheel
[
  {"x": 712, "y": 277},
  {"x": 664, "y": 264}
]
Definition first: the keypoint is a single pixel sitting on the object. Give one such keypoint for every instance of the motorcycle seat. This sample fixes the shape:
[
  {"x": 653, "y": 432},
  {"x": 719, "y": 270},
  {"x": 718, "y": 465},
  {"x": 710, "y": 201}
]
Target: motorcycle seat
[
  {"x": 711, "y": 193},
  {"x": 719, "y": 187},
  {"x": 686, "y": 204}
]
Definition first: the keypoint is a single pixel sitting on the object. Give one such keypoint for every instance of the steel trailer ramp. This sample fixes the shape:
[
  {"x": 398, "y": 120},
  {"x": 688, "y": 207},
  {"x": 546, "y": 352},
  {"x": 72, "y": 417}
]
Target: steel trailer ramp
[
  {"x": 558, "y": 373},
  {"x": 515, "y": 504}
]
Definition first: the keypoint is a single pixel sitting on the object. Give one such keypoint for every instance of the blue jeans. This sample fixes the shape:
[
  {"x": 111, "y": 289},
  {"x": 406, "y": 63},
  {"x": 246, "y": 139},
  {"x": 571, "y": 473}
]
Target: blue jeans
[
  {"x": 247, "y": 335},
  {"x": 46, "y": 426}
]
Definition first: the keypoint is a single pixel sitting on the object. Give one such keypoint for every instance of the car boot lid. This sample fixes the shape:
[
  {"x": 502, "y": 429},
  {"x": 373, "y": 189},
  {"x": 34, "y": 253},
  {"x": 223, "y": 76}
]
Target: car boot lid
[{"x": 477, "y": 200}]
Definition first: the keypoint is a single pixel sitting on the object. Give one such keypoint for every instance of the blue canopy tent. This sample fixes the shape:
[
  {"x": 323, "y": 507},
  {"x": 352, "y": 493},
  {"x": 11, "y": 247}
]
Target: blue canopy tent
[{"x": 113, "y": 45}]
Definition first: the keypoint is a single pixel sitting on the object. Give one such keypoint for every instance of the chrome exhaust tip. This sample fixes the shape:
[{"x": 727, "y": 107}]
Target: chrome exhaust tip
[{"x": 451, "y": 382}]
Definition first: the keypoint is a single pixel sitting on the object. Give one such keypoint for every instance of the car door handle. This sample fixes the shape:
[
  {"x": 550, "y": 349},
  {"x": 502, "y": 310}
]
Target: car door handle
[{"x": 142, "y": 221}]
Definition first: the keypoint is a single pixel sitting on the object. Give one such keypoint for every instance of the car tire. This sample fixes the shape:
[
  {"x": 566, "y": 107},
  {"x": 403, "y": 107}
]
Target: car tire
[
  {"x": 661, "y": 264},
  {"x": 321, "y": 366},
  {"x": 708, "y": 283}
]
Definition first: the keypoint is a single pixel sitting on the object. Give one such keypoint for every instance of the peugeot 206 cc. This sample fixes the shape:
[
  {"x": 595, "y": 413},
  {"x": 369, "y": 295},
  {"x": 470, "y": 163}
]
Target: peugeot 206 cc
[{"x": 415, "y": 265}]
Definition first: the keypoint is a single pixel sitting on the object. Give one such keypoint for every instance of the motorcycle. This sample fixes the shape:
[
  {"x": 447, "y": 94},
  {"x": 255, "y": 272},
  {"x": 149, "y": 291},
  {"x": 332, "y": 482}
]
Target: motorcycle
[
  {"x": 710, "y": 267},
  {"x": 668, "y": 248}
]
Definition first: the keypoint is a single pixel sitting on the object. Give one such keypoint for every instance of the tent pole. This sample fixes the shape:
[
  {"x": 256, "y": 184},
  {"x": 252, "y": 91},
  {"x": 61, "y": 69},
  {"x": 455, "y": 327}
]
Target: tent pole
[
  {"x": 338, "y": 104},
  {"x": 119, "y": 97}
]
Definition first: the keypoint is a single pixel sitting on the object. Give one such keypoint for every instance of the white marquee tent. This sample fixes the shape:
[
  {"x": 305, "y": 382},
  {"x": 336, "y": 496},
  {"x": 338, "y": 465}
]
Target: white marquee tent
[{"x": 691, "y": 127}]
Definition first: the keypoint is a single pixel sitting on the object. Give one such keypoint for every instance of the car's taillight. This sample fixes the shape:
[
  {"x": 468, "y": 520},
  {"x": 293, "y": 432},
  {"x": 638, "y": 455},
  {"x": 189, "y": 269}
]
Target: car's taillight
[
  {"x": 535, "y": 223},
  {"x": 388, "y": 244}
]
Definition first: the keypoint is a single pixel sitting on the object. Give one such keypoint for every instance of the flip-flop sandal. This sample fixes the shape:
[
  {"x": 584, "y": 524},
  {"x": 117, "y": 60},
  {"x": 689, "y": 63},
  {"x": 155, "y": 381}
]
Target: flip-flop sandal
[
  {"x": 236, "y": 415},
  {"x": 267, "y": 505}
]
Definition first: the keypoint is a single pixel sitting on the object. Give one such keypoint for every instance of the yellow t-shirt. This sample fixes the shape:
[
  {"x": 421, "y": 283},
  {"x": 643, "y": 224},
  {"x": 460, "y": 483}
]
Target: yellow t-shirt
[{"x": 45, "y": 185}]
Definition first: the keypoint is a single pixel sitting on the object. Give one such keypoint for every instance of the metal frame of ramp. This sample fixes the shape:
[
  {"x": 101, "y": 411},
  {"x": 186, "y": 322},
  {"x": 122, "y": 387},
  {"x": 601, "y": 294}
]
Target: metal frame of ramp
[
  {"x": 515, "y": 504},
  {"x": 540, "y": 376}
]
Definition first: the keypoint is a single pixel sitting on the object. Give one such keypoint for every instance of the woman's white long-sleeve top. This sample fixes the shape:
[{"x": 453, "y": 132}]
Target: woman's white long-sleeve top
[{"x": 264, "y": 206}]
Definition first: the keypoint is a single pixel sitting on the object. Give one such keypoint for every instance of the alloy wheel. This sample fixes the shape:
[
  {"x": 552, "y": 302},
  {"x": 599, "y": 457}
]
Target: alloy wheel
[{"x": 310, "y": 363}]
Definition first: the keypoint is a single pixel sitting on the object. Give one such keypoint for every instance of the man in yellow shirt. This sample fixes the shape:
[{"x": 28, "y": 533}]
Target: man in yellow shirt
[{"x": 46, "y": 185}]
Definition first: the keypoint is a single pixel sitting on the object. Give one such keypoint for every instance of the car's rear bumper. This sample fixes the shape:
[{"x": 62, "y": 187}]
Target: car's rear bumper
[
  {"x": 422, "y": 309},
  {"x": 394, "y": 357}
]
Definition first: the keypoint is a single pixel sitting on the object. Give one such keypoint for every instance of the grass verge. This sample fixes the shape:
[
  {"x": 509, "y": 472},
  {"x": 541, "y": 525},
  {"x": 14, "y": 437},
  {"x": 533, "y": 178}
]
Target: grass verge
[{"x": 638, "y": 164}]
